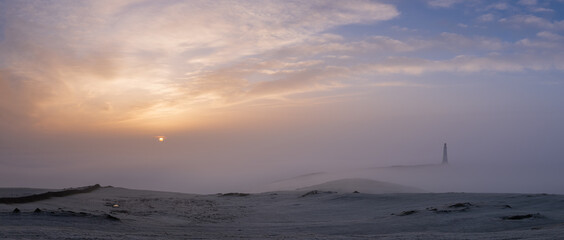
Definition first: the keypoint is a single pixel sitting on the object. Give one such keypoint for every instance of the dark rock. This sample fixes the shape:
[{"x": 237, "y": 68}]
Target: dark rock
[
  {"x": 519, "y": 217},
  {"x": 16, "y": 210},
  {"x": 460, "y": 205},
  {"x": 405, "y": 213},
  {"x": 37, "y": 210},
  {"x": 112, "y": 218},
  {"x": 435, "y": 210},
  {"x": 443, "y": 211},
  {"x": 356, "y": 192},
  {"x": 314, "y": 192},
  {"x": 432, "y": 209}
]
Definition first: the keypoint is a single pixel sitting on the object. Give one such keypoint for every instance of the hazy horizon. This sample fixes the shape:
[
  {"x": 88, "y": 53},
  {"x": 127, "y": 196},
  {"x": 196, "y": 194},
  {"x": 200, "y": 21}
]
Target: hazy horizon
[{"x": 249, "y": 92}]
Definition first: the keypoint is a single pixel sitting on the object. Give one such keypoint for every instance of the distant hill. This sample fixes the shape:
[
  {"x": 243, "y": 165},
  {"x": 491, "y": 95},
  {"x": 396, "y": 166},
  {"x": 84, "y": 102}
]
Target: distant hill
[{"x": 419, "y": 166}]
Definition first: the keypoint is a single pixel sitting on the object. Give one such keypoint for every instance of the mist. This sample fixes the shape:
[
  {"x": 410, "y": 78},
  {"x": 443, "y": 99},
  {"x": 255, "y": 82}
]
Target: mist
[
  {"x": 248, "y": 94},
  {"x": 342, "y": 140}
]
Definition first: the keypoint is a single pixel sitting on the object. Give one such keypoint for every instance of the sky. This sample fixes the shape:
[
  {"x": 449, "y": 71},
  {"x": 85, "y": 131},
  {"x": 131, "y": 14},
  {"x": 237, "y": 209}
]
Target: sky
[{"x": 247, "y": 92}]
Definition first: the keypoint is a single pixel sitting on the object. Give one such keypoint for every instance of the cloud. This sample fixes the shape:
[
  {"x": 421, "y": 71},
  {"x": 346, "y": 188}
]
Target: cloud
[
  {"x": 540, "y": 9},
  {"x": 325, "y": 63},
  {"x": 550, "y": 36},
  {"x": 398, "y": 84},
  {"x": 381, "y": 43},
  {"x": 538, "y": 44},
  {"x": 469, "y": 64},
  {"x": 458, "y": 42},
  {"x": 443, "y": 3},
  {"x": 106, "y": 62},
  {"x": 528, "y": 2},
  {"x": 544, "y": 40},
  {"x": 122, "y": 64},
  {"x": 498, "y": 6},
  {"x": 486, "y": 17},
  {"x": 17, "y": 98},
  {"x": 532, "y": 20}
]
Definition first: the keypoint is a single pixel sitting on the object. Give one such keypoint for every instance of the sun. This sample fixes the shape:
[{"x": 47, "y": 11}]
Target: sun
[{"x": 161, "y": 138}]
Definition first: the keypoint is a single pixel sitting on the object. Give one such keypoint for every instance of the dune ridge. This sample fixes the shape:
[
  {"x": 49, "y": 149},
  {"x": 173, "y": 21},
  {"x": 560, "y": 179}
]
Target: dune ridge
[
  {"x": 47, "y": 195},
  {"x": 361, "y": 185}
]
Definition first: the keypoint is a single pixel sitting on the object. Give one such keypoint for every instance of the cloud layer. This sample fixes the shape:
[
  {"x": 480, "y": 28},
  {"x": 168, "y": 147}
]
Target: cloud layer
[{"x": 102, "y": 62}]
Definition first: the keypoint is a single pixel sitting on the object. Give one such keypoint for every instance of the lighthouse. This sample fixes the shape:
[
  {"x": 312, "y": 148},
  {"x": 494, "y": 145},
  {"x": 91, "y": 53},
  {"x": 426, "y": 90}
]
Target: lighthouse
[{"x": 445, "y": 157}]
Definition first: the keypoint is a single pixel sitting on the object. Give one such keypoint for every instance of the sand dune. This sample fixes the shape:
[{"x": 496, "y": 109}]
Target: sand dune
[
  {"x": 20, "y": 192},
  {"x": 118, "y": 213}
]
